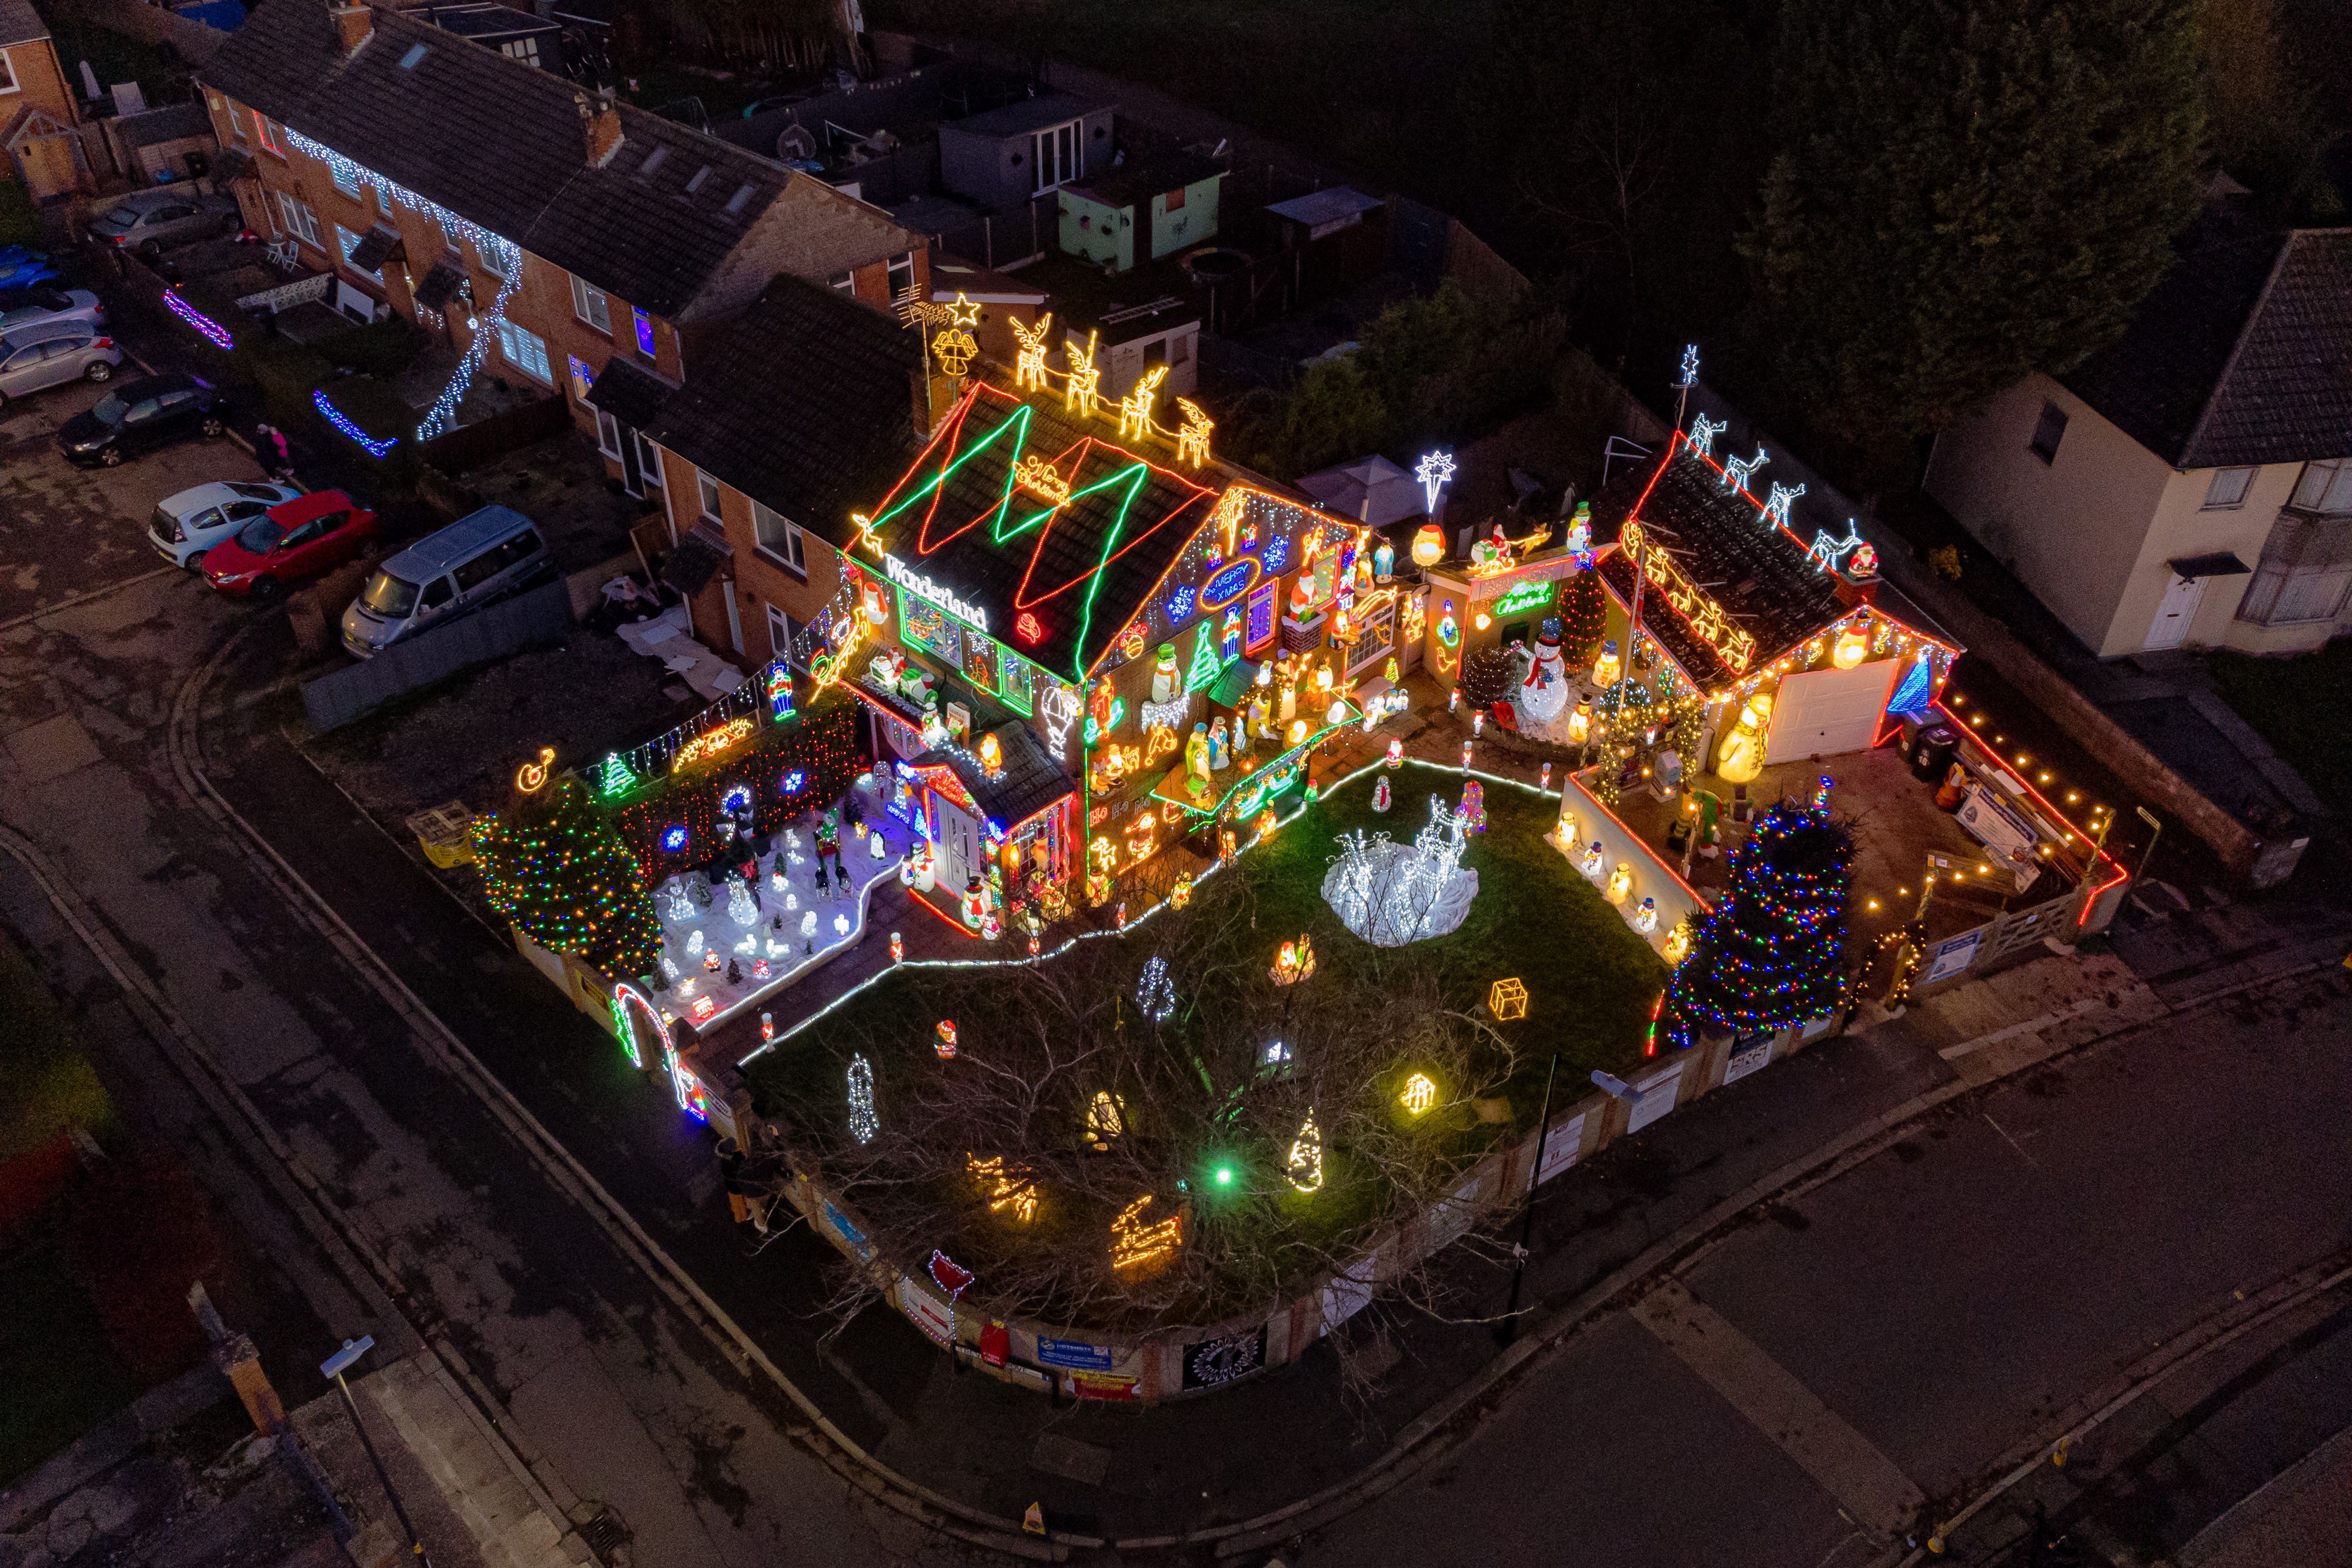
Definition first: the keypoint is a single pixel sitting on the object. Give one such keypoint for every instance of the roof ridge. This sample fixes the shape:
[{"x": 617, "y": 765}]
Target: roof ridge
[{"x": 2237, "y": 350}]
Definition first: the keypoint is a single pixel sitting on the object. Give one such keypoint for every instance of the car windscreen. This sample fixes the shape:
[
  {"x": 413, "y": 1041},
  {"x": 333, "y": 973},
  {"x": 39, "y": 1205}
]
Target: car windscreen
[
  {"x": 259, "y": 535},
  {"x": 388, "y": 595},
  {"x": 123, "y": 217},
  {"x": 109, "y": 409}
]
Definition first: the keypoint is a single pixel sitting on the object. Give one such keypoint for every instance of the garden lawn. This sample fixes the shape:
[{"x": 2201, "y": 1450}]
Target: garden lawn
[
  {"x": 2298, "y": 705},
  {"x": 61, "y": 1375}
]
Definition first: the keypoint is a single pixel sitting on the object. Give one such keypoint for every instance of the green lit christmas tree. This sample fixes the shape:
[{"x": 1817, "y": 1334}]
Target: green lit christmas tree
[
  {"x": 1771, "y": 953},
  {"x": 1583, "y": 617},
  {"x": 554, "y": 866},
  {"x": 1207, "y": 663}
]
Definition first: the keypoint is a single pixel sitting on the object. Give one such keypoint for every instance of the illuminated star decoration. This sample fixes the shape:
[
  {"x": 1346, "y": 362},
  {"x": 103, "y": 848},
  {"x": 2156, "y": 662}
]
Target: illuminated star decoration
[
  {"x": 1737, "y": 471},
  {"x": 1777, "y": 504},
  {"x": 1690, "y": 364},
  {"x": 1827, "y": 553},
  {"x": 1703, "y": 431},
  {"x": 1434, "y": 471}
]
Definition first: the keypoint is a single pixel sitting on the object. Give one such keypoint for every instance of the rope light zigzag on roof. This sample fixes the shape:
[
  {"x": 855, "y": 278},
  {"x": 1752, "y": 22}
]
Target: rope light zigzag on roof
[{"x": 501, "y": 254}]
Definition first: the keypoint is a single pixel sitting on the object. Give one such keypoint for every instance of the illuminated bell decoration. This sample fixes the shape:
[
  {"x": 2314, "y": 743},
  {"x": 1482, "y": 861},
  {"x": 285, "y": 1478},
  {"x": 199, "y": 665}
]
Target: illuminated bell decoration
[
  {"x": 1853, "y": 647},
  {"x": 1608, "y": 667},
  {"x": 1621, "y": 883},
  {"x": 1646, "y": 919},
  {"x": 1428, "y": 545},
  {"x": 946, "y": 1042},
  {"x": 1594, "y": 859}
]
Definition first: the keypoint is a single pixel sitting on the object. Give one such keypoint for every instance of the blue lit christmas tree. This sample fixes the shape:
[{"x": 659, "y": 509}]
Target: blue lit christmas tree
[{"x": 1771, "y": 953}]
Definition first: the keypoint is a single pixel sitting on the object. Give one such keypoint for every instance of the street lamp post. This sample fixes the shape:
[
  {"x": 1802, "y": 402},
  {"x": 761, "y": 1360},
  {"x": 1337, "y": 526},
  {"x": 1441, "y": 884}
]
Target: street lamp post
[
  {"x": 1508, "y": 1328},
  {"x": 334, "y": 1366}
]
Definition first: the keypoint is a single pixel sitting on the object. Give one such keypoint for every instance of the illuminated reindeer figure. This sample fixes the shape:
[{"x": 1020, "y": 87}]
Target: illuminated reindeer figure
[
  {"x": 1135, "y": 408},
  {"x": 1084, "y": 377},
  {"x": 1192, "y": 438},
  {"x": 1029, "y": 365}
]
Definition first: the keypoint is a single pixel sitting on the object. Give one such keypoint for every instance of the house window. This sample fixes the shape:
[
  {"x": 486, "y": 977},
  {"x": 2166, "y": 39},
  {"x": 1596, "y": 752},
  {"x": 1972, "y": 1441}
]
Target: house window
[
  {"x": 1180, "y": 349},
  {"x": 523, "y": 49},
  {"x": 2306, "y": 571},
  {"x": 488, "y": 255},
  {"x": 301, "y": 221},
  {"x": 902, "y": 275},
  {"x": 588, "y": 303},
  {"x": 345, "y": 175},
  {"x": 645, "y": 325},
  {"x": 526, "y": 351},
  {"x": 269, "y": 137},
  {"x": 706, "y": 491},
  {"x": 780, "y": 537},
  {"x": 2325, "y": 486},
  {"x": 348, "y": 242},
  {"x": 1053, "y": 157},
  {"x": 608, "y": 434},
  {"x": 583, "y": 376},
  {"x": 1174, "y": 201},
  {"x": 846, "y": 282},
  {"x": 649, "y": 459},
  {"x": 2048, "y": 432},
  {"x": 782, "y": 635},
  {"x": 2228, "y": 489}
]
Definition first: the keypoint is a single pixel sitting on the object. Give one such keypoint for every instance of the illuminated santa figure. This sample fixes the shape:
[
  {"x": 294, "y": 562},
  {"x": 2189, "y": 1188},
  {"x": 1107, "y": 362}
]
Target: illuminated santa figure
[{"x": 1543, "y": 695}]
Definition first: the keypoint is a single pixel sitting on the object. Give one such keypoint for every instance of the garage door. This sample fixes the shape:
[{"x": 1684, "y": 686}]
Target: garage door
[{"x": 1824, "y": 712}]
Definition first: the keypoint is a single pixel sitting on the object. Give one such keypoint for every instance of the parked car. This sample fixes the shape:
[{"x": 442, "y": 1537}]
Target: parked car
[
  {"x": 140, "y": 415},
  {"x": 185, "y": 527},
  {"x": 150, "y": 221},
  {"x": 28, "y": 271},
  {"x": 50, "y": 353},
  {"x": 292, "y": 540},
  {"x": 482, "y": 556},
  {"x": 23, "y": 307}
]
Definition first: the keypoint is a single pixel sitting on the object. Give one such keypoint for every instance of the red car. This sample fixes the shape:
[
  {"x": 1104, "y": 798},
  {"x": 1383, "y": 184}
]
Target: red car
[{"x": 292, "y": 540}]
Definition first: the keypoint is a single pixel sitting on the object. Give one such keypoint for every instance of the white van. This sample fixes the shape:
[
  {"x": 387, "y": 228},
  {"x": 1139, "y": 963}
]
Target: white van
[{"x": 481, "y": 557}]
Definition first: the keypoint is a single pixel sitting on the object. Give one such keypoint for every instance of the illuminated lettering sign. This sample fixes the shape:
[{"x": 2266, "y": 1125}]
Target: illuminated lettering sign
[
  {"x": 917, "y": 583},
  {"x": 1524, "y": 596},
  {"x": 1229, "y": 584},
  {"x": 1041, "y": 478}
]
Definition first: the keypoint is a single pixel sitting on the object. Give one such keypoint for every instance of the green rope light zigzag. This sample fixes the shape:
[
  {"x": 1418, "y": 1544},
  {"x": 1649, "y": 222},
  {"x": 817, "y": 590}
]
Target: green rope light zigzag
[{"x": 1004, "y": 529}]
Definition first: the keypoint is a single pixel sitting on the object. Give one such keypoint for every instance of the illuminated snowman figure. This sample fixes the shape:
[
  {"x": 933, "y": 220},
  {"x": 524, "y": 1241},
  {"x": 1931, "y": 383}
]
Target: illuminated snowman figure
[{"x": 1542, "y": 697}]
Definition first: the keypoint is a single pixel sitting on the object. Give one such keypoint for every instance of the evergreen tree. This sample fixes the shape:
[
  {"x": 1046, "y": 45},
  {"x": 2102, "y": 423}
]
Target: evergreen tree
[
  {"x": 1583, "y": 617},
  {"x": 554, "y": 867},
  {"x": 1966, "y": 191},
  {"x": 1771, "y": 953},
  {"x": 1208, "y": 663},
  {"x": 1486, "y": 677}
]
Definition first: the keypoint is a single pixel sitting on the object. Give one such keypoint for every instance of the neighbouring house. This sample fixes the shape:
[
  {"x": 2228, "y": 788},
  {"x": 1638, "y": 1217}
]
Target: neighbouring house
[
  {"x": 2190, "y": 485},
  {"x": 1003, "y": 298},
  {"x": 174, "y": 143},
  {"x": 37, "y": 108},
  {"x": 1131, "y": 340},
  {"x": 1002, "y": 157},
  {"x": 1335, "y": 237},
  {"x": 1171, "y": 197},
  {"x": 517, "y": 34},
  {"x": 476, "y": 195}
]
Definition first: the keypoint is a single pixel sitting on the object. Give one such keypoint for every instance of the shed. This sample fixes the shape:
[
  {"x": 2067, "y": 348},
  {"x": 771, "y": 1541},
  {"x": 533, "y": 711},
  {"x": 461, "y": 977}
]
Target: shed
[
  {"x": 1172, "y": 198},
  {"x": 1338, "y": 236},
  {"x": 1130, "y": 340},
  {"x": 1002, "y": 157},
  {"x": 1371, "y": 490}
]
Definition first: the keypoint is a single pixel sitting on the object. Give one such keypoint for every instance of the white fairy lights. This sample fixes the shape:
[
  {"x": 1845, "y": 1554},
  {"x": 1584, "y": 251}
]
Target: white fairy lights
[{"x": 501, "y": 256}]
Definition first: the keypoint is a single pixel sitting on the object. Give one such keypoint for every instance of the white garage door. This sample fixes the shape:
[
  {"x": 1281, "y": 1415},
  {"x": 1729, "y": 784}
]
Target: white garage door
[{"x": 1824, "y": 712}]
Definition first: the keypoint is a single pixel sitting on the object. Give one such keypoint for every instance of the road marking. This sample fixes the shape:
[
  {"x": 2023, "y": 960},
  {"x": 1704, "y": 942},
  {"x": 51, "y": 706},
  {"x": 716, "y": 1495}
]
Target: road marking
[
  {"x": 2013, "y": 1142},
  {"x": 1865, "y": 1482}
]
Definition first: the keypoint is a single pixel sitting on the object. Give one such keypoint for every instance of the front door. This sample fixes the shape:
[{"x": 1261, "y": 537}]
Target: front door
[
  {"x": 632, "y": 476},
  {"x": 2178, "y": 609}
]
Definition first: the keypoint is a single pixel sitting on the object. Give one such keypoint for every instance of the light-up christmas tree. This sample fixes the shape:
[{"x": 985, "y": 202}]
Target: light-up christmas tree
[
  {"x": 554, "y": 866},
  {"x": 1583, "y": 617},
  {"x": 1207, "y": 664},
  {"x": 1771, "y": 953}
]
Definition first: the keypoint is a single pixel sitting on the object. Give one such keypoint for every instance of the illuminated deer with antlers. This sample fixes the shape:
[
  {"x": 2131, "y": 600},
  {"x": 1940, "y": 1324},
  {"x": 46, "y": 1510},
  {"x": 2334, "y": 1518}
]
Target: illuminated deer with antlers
[
  {"x": 1135, "y": 408},
  {"x": 1193, "y": 436},
  {"x": 1084, "y": 377},
  {"x": 1029, "y": 365}
]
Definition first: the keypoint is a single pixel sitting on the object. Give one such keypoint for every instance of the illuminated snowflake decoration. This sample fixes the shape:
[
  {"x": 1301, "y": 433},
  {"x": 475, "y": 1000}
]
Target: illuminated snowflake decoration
[
  {"x": 1180, "y": 604},
  {"x": 1690, "y": 364}
]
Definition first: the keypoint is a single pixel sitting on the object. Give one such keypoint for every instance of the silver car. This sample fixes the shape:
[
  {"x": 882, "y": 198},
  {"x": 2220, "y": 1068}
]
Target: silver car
[
  {"x": 50, "y": 353},
  {"x": 187, "y": 525},
  {"x": 23, "y": 307},
  {"x": 147, "y": 222}
]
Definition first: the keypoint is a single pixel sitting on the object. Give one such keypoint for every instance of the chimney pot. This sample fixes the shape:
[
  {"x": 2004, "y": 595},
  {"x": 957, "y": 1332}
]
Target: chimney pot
[{"x": 354, "y": 25}]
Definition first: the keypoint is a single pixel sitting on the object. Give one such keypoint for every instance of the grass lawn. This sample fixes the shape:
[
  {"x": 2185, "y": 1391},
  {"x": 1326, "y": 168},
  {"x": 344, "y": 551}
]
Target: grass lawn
[
  {"x": 61, "y": 1376},
  {"x": 50, "y": 1085},
  {"x": 2297, "y": 705}
]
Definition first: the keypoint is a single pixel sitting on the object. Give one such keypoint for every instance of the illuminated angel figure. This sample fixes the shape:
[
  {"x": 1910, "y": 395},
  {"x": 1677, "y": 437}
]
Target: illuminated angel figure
[
  {"x": 1135, "y": 408},
  {"x": 1193, "y": 436},
  {"x": 1084, "y": 377},
  {"x": 1029, "y": 365},
  {"x": 955, "y": 349}
]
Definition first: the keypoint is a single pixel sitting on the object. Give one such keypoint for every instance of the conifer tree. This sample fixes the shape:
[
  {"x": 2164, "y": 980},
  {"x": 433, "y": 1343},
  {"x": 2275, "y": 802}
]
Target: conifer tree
[
  {"x": 1771, "y": 953},
  {"x": 554, "y": 867},
  {"x": 1583, "y": 617}
]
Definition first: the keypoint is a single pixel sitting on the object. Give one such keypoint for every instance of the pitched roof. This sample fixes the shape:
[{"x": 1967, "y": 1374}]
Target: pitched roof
[
  {"x": 20, "y": 24},
  {"x": 806, "y": 404},
  {"x": 2240, "y": 355},
  {"x": 632, "y": 394},
  {"x": 1761, "y": 576},
  {"x": 1081, "y": 568},
  {"x": 501, "y": 144},
  {"x": 1029, "y": 781}
]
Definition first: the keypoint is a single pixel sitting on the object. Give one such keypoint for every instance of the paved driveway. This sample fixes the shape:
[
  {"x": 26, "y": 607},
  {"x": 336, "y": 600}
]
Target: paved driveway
[{"x": 65, "y": 531}]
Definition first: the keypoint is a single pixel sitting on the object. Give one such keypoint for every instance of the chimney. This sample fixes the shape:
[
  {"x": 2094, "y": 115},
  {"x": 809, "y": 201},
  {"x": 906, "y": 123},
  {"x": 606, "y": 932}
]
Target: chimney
[
  {"x": 600, "y": 119},
  {"x": 354, "y": 25},
  {"x": 935, "y": 398}
]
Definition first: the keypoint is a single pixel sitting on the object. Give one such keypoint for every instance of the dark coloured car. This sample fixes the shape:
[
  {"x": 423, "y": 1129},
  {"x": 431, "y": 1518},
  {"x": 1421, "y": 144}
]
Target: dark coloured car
[{"x": 139, "y": 416}]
